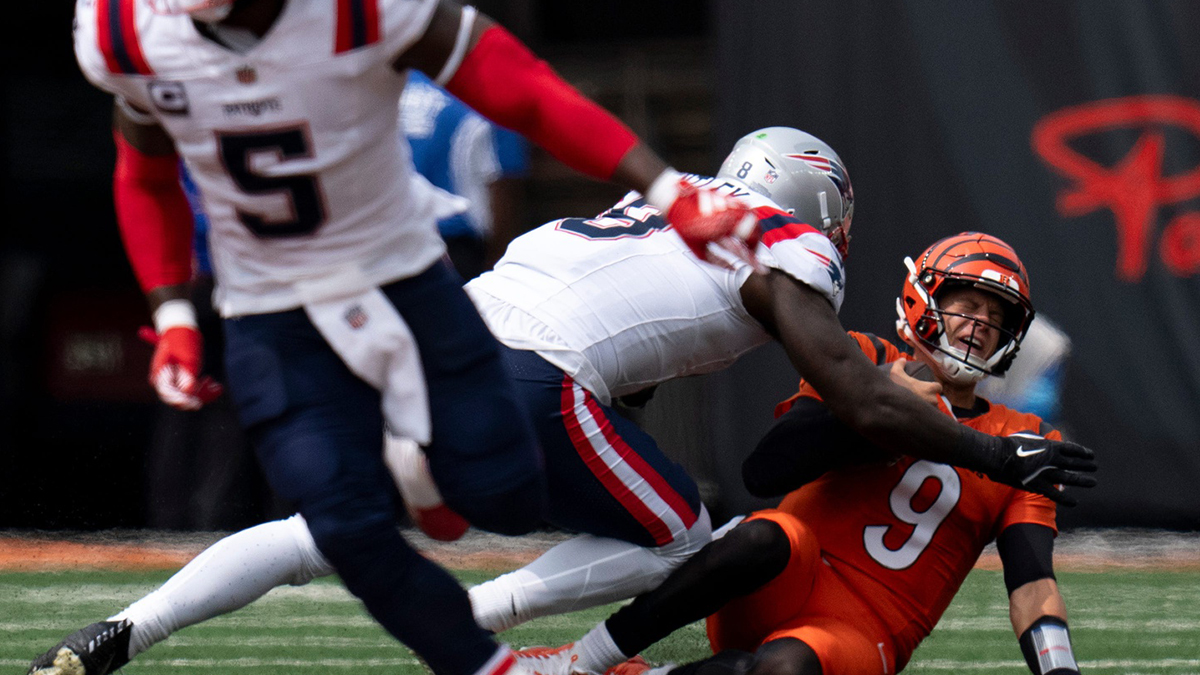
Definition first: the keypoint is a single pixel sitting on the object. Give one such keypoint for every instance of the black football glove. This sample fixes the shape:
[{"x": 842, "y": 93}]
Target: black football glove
[{"x": 1027, "y": 461}]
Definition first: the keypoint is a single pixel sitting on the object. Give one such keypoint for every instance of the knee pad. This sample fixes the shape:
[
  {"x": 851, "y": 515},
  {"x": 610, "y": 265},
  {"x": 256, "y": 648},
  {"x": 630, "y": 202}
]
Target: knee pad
[
  {"x": 687, "y": 543},
  {"x": 313, "y": 563}
]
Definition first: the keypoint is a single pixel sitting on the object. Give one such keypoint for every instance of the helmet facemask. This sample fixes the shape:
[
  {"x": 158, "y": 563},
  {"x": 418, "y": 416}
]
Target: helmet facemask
[{"x": 922, "y": 314}]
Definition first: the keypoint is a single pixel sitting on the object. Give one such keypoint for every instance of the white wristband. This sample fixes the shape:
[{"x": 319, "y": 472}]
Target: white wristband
[
  {"x": 174, "y": 313},
  {"x": 663, "y": 191}
]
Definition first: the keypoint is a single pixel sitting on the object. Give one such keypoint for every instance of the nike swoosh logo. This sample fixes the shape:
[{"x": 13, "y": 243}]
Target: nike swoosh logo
[{"x": 1022, "y": 452}]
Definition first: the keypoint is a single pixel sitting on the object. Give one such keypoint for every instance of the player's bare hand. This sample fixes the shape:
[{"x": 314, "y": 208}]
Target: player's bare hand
[{"x": 915, "y": 377}]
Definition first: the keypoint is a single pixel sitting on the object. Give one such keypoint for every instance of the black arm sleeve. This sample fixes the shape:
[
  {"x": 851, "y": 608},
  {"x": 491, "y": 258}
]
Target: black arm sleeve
[
  {"x": 805, "y": 442},
  {"x": 1027, "y": 552}
]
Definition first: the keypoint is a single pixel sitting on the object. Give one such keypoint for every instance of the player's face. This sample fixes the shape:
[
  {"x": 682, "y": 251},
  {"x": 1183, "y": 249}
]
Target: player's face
[{"x": 973, "y": 319}]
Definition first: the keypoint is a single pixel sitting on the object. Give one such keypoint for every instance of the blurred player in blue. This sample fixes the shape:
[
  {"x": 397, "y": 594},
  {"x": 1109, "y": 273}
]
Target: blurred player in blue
[{"x": 460, "y": 151}]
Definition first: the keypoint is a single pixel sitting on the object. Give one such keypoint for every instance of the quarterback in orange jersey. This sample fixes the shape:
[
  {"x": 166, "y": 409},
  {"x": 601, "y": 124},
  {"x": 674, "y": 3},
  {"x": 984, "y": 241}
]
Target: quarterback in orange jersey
[{"x": 863, "y": 555}]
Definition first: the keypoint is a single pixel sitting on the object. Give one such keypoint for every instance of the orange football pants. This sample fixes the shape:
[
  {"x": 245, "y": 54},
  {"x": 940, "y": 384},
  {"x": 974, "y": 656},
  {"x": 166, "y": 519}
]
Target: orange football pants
[{"x": 808, "y": 601}]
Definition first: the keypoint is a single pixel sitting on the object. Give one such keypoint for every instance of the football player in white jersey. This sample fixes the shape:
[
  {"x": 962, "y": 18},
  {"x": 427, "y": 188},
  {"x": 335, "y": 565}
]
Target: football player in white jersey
[
  {"x": 339, "y": 310},
  {"x": 589, "y": 310}
]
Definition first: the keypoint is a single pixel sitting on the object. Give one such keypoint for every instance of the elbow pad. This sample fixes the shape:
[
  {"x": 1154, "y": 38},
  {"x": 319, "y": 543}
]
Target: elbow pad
[
  {"x": 153, "y": 215},
  {"x": 510, "y": 85}
]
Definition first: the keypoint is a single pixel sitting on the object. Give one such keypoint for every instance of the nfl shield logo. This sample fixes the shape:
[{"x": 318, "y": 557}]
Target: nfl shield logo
[
  {"x": 771, "y": 176},
  {"x": 356, "y": 317},
  {"x": 246, "y": 75}
]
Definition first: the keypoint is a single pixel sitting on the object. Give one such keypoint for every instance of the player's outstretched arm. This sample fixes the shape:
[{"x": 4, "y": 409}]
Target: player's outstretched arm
[
  {"x": 156, "y": 228},
  {"x": 488, "y": 68},
  {"x": 1036, "y": 607},
  {"x": 888, "y": 415}
]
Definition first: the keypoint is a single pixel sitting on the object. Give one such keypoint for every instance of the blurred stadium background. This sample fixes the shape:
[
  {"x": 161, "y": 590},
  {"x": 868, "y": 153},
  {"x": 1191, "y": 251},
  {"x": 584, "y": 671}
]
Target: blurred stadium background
[{"x": 1070, "y": 128}]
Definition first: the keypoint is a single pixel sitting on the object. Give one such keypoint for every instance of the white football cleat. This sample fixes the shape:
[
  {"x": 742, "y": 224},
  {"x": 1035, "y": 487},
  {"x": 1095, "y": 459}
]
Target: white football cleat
[{"x": 551, "y": 660}]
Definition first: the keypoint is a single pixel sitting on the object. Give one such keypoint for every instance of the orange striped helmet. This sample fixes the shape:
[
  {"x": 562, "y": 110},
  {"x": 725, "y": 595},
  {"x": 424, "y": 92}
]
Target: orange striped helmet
[{"x": 972, "y": 259}]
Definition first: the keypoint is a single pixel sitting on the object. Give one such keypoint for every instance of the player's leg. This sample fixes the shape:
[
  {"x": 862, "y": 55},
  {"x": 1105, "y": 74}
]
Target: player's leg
[
  {"x": 226, "y": 576},
  {"x": 318, "y": 431},
  {"x": 483, "y": 455},
  {"x": 787, "y": 656},
  {"x": 640, "y": 512},
  {"x": 821, "y": 643},
  {"x": 737, "y": 576}
]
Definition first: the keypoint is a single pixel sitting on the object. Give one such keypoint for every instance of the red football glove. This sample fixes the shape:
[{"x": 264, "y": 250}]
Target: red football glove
[
  {"x": 703, "y": 216},
  {"x": 175, "y": 367}
]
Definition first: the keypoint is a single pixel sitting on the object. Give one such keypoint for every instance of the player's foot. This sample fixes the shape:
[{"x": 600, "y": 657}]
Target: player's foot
[
  {"x": 98, "y": 649},
  {"x": 635, "y": 666},
  {"x": 551, "y": 660}
]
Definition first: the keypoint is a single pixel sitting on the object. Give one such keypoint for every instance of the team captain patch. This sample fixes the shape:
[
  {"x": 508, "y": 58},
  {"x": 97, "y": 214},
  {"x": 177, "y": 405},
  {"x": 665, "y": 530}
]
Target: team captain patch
[{"x": 169, "y": 96}]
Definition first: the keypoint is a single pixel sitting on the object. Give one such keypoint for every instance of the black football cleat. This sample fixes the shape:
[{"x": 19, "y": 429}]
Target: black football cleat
[{"x": 98, "y": 649}]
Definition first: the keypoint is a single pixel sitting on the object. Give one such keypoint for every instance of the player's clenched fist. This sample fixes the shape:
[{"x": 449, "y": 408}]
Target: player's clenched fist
[
  {"x": 702, "y": 216},
  {"x": 178, "y": 356}
]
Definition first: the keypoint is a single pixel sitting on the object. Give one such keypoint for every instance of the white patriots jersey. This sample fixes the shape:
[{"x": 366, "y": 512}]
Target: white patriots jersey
[
  {"x": 619, "y": 303},
  {"x": 294, "y": 144}
]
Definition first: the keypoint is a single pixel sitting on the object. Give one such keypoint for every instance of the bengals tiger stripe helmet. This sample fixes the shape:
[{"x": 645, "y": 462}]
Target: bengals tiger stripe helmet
[{"x": 973, "y": 259}]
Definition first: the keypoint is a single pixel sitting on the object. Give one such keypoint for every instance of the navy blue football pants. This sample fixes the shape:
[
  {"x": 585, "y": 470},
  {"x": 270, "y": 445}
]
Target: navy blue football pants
[
  {"x": 318, "y": 432},
  {"x": 606, "y": 476}
]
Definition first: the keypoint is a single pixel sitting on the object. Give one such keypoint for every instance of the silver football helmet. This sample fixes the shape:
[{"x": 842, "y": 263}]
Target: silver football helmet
[{"x": 800, "y": 173}]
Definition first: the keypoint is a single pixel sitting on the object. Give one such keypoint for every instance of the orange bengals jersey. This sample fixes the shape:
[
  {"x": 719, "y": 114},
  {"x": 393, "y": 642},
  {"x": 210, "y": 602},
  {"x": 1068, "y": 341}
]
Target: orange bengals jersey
[{"x": 904, "y": 535}]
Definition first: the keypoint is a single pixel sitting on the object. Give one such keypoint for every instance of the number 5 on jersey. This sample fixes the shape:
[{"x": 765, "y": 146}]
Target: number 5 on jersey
[{"x": 300, "y": 190}]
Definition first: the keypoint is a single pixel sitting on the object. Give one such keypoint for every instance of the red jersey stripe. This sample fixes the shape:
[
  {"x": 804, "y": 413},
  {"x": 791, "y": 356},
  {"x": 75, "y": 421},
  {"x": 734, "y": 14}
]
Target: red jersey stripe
[
  {"x": 118, "y": 38},
  {"x": 637, "y": 508},
  {"x": 357, "y": 24},
  {"x": 791, "y": 230},
  {"x": 664, "y": 490}
]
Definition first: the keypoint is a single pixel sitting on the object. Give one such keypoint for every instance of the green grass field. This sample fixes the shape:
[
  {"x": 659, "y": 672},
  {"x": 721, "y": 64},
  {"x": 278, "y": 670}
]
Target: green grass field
[{"x": 1123, "y": 622}]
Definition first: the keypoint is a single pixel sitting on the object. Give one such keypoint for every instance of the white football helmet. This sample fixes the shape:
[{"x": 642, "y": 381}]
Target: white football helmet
[
  {"x": 207, "y": 11},
  {"x": 800, "y": 173}
]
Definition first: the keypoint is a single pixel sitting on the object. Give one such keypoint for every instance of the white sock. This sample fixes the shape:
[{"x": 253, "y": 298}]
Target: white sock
[
  {"x": 597, "y": 651},
  {"x": 579, "y": 573},
  {"x": 228, "y": 575}
]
